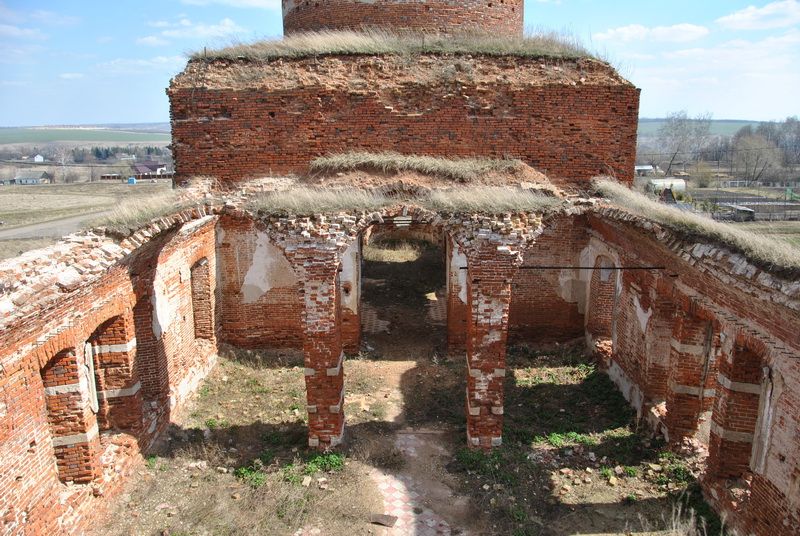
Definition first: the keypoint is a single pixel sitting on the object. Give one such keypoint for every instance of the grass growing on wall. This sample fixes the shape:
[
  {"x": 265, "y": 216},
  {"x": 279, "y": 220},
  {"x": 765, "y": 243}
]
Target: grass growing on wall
[
  {"x": 457, "y": 169},
  {"x": 370, "y": 42},
  {"x": 134, "y": 213},
  {"x": 757, "y": 247},
  {"x": 303, "y": 200},
  {"x": 309, "y": 201},
  {"x": 496, "y": 199}
]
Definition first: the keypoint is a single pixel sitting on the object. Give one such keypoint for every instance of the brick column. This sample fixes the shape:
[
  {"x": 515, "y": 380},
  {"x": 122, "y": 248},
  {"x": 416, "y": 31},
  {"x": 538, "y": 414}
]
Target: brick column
[
  {"x": 733, "y": 421},
  {"x": 322, "y": 344},
  {"x": 687, "y": 394},
  {"x": 491, "y": 270},
  {"x": 73, "y": 425}
]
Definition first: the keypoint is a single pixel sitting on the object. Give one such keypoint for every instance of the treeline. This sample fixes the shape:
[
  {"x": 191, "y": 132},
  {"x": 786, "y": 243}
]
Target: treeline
[
  {"x": 102, "y": 154},
  {"x": 769, "y": 151}
]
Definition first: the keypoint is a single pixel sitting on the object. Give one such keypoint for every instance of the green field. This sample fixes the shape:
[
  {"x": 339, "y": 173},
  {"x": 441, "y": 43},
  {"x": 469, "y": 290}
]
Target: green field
[
  {"x": 722, "y": 127},
  {"x": 52, "y": 135}
]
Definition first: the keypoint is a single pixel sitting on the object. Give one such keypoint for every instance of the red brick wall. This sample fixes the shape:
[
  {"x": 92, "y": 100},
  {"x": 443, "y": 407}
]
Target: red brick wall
[
  {"x": 570, "y": 133},
  {"x": 543, "y": 309},
  {"x": 503, "y": 17},
  {"x": 32, "y": 499},
  {"x": 602, "y": 300},
  {"x": 764, "y": 337},
  {"x": 273, "y": 320}
]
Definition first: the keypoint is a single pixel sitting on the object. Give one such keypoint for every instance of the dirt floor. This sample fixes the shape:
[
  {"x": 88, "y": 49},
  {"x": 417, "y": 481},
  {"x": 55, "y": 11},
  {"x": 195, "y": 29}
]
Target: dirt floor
[{"x": 573, "y": 461}]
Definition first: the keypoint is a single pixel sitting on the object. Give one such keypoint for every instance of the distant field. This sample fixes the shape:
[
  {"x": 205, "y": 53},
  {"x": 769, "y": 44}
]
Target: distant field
[
  {"x": 52, "y": 135},
  {"x": 24, "y": 206},
  {"x": 722, "y": 127},
  {"x": 788, "y": 231}
]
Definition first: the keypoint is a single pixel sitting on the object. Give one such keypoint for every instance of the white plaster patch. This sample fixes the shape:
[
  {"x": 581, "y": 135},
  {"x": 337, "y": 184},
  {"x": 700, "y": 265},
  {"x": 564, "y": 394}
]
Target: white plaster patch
[
  {"x": 349, "y": 274},
  {"x": 491, "y": 337},
  {"x": 164, "y": 309},
  {"x": 458, "y": 261},
  {"x": 629, "y": 389},
  {"x": 269, "y": 269},
  {"x": 568, "y": 290},
  {"x": 641, "y": 315}
]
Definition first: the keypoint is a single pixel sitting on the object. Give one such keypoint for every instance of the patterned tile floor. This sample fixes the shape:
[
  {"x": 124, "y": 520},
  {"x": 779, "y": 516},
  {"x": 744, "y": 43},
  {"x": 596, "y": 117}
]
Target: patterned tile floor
[
  {"x": 436, "y": 310},
  {"x": 370, "y": 323},
  {"x": 401, "y": 498}
]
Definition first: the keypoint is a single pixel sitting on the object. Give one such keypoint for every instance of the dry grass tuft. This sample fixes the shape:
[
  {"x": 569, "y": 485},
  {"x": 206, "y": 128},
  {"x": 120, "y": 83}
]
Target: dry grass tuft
[
  {"x": 304, "y": 200},
  {"x": 494, "y": 199},
  {"x": 774, "y": 253},
  {"x": 370, "y": 42},
  {"x": 457, "y": 169},
  {"x": 488, "y": 199},
  {"x": 391, "y": 252},
  {"x": 134, "y": 213}
]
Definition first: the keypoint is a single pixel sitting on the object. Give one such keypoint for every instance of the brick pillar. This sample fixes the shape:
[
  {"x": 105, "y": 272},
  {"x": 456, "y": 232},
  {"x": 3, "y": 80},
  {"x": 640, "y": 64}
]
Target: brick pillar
[
  {"x": 491, "y": 270},
  {"x": 113, "y": 348},
  {"x": 733, "y": 420},
  {"x": 687, "y": 395},
  {"x": 73, "y": 425},
  {"x": 322, "y": 345}
]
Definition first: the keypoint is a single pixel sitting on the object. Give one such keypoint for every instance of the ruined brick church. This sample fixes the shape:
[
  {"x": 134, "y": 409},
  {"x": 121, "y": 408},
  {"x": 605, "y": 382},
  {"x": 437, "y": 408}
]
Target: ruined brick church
[{"x": 106, "y": 336}]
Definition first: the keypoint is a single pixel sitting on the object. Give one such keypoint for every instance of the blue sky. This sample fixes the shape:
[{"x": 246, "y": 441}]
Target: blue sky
[{"x": 72, "y": 62}]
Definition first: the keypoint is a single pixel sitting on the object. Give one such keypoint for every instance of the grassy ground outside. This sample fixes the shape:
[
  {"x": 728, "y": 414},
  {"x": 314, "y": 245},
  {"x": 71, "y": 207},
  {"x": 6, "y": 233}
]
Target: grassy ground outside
[
  {"x": 14, "y": 248},
  {"x": 786, "y": 231},
  {"x": 26, "y": 205}
]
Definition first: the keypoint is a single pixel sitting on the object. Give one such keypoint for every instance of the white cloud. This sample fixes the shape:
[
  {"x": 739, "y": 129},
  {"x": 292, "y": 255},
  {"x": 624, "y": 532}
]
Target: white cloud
[
  {"x": 53, "y": 18},
  {"x": 224, "y": 28},
  {"x": 71, "y": 76},
  {"x": 678, "y": 33},
  {"x": 750, "y": 79},
  {"x": 19, "y": 54},
  {"x": 258, "y": 4},
  {"x": 781, "y": 14},
  {"x": 125, "y": 66},
  {"x": 15, "y": 32},
  {"x": 186, "y": 29},
  {"x": 152, "y": 41}
]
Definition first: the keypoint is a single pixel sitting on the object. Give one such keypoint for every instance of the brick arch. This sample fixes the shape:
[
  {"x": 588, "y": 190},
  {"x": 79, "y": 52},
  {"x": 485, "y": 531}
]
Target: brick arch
[
  {"x": 112, "y": 348},
  {"x": 202, "y": 302},
  {"x": 743, "y": 381},
  {"x": 602, "y": 298},
  {"x": 73, "y": 426}
]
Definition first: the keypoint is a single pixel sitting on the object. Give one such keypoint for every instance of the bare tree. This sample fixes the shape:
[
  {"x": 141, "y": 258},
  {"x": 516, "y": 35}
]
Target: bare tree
[
  {"x": 756, "y": 156},
  {"x": 683, "y": 136},
  {"x": 62, "y": 155}
]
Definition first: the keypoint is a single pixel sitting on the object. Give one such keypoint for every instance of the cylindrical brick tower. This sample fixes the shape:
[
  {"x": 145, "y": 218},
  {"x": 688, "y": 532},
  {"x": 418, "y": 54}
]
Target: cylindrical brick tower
[{"x": 446, "y": 16}]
